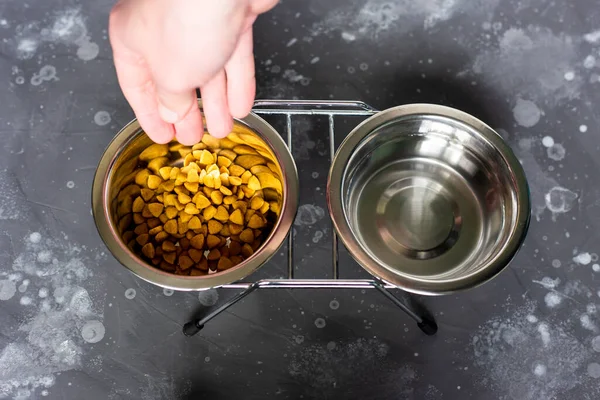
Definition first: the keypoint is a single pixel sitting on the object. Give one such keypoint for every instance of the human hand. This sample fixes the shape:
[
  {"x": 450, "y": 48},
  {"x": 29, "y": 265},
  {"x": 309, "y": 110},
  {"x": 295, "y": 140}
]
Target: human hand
[{"x": 165, "y": 49}]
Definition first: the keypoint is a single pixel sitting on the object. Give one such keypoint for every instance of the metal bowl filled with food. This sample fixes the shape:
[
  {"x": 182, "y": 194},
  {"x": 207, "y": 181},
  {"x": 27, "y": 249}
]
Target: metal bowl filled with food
[
  {"x": 428, "y": 198},
  {"x": 196, "y": 217}
]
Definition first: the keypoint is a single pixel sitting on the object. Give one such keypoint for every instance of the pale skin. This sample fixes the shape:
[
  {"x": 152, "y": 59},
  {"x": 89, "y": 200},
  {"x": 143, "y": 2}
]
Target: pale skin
[{"x": 166, "y": 49}]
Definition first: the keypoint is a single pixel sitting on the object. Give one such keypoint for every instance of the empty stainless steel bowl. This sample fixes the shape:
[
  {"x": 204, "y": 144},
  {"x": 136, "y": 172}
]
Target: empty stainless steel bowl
[{"x": 428, "y": 198}]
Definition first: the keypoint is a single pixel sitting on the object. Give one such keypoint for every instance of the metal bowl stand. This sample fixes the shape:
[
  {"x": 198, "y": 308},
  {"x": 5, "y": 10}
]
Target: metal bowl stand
[{"x": 331, "y": 109}]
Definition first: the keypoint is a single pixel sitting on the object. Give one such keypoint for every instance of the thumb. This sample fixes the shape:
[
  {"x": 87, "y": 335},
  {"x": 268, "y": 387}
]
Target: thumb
[{"x": 174, "y": 106}]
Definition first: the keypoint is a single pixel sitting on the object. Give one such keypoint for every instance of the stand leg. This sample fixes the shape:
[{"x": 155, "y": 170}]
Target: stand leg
[
  {"x": 427, "y": 325},
  {"x": 195, "y": 326}
]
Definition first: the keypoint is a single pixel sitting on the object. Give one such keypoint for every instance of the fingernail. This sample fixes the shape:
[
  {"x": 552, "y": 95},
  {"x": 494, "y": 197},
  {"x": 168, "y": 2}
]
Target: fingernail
[{"x": 167, "y": 115}]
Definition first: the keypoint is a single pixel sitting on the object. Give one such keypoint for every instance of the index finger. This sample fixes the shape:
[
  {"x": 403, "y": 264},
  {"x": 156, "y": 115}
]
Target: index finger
[{"x": 137, "y": 85}]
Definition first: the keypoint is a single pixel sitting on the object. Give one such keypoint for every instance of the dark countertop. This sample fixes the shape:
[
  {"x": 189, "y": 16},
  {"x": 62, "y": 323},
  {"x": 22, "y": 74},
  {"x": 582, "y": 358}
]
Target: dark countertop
[{"x": 75, "y": 324}]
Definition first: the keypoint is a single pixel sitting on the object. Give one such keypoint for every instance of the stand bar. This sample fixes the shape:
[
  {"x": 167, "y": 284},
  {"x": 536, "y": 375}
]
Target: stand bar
[
  {"x": 293, "y": 106},
  {"x": 428, "y": 326},
  {"x": 307, "y": 283},
  {"x": 334, "y": 245},
  {"x": 290, "y": 254},
  {"x": 195, "y": 326}
]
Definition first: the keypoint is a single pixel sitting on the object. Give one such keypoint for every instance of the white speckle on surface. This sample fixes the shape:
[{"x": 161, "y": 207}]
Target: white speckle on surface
[
  {"x": 70, "y": 184},
  {"x": 363, "y": 66},
  {"x": 556, "y": 263},
  {"x": 596, "y": 267},
  {"x": 314, "y": 60},
  {"x": 540, "y": 369},
  {"x": 12, "y": 202},
  {"x": 168, "y": 292},
  {"x": 591, "y": 309},
  {"x": 208, "y": 297},
  {"x": 520, "y": 64},
  {"x": 587, "y": 323},
  {"x": 8, "y": 289},
  {"x": 348, "y": 37},
  {"x": 552, "y": 299},
  {"x": 102, "y": 118},
  {"x": 43, "y": 293},
  {"x": 593, "y": 370},
  {"x": 23, "y": 286},
  {"x": 315, "y": 175},
  {"x": 532, "y": 319},
  {"x": 320, "y": 323},
  {"x": 35, "y": 237},
  {"x": 569, "y": 75},
  {"x": 70, "y": 29},
  {"x": 544, "y": 333},
  {"x": 294, "y": 77},
  {"x": 81, "y": 303},
  {"x": 589, "y": 62},
  {"x": 19, "y": 80},
  {"x": 526, "y": 113},
  {"x": 26, "y": 48},
  {"x": 87, "y": 50},
  {"x": 44, "y": 256},
  {"x": 548, "y": 283},
  {"x": 308, "y": 215},
  {"x": 583, "y": 258},
  {"x": 556, "y": 152},
  {"x": 93, "y": 331},
  {"x": 206, "y": 359},
  {"x": 334, "y": 304},
  {"x": 291, "y": 42},
  {"x": 560, "y": 200},
  {"x": 317, "y": 237},
  {"x": 547, "y": 141},
  {"x": 325, "y": 369},
  {"x": 592, "y": 37},
  {"x": 47, "y": 73},
  {"x": 374, "y": 18},
  {"x": 596, "y": 344},
  {"x": 508, "y": 349},
  {"x": 130, "y": 293},
  {"x": 583, "y": 128},
  {"x": 48, "y": 342}
]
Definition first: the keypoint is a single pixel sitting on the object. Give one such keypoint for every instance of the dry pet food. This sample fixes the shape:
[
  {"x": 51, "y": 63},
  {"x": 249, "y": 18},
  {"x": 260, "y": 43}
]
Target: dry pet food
[{"x": 194, "y": 210}]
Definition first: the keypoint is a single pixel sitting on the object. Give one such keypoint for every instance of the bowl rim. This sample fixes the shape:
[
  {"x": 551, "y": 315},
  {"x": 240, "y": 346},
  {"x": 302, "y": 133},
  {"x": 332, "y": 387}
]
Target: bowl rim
[
  {"x": 151, "y": 274},
  {"x": 423, "y": 286}
]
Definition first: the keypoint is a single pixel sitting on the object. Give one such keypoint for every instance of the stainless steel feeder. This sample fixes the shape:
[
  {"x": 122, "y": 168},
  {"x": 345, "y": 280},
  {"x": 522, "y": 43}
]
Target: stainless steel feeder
[
  {"x": 428, "y": 198},
  {"x": 114, "y": 171}
]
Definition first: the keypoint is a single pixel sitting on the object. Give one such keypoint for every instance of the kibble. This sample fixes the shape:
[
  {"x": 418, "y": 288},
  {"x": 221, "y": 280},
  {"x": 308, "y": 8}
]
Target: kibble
[{"x": 207, "y": 213}]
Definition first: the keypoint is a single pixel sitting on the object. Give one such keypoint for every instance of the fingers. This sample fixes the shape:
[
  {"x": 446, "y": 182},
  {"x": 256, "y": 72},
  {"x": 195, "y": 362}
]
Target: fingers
[
  {"x": 181, "y": 109},
  {"x": 136, "y": 83},
  {"x": 190, "y": 129},
  {"x": 262, "y": 6},
  {"x": 216, "y": 109},
  {"x": 241, "y": 83},
  {"x": 174, "y": 105}
]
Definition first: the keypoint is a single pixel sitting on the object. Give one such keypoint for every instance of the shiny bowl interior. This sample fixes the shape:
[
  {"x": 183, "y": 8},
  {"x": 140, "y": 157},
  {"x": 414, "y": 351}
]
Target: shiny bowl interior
[
  {"x": 428, "y": 198},
  {"x": 118, "y": 168}
]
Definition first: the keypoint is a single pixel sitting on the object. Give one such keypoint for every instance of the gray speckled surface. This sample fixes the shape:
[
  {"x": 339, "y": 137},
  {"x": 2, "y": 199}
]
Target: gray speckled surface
[{"x": 528, "y": 68}]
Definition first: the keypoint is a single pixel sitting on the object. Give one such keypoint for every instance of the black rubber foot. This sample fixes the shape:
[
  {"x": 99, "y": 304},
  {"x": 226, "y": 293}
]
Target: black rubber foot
[
  {"x": 191, "y": 328},
  {"x": 428, "y": 326}
]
